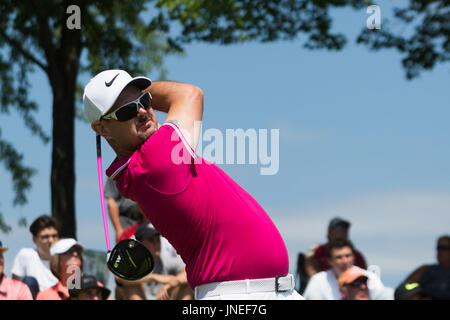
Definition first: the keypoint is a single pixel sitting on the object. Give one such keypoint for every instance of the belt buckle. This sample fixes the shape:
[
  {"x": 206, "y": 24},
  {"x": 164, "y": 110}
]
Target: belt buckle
[{"x": 277, "y": 285}]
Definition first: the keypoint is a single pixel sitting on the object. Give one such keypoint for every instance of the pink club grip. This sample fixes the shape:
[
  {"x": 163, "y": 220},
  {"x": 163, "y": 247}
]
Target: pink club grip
[{"x": 102, "y": 197}]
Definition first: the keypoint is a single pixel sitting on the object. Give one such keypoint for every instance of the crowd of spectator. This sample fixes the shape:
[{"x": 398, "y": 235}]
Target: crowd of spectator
[
  {"x": 53, "y": 269},
  {"x": 335, "y": 270}
]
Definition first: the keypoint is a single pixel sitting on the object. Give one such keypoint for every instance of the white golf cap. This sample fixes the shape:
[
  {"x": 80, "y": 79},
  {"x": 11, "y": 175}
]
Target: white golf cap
[
  {"x": 103, "y": 90},
  {"x": 64, "y": 245}
]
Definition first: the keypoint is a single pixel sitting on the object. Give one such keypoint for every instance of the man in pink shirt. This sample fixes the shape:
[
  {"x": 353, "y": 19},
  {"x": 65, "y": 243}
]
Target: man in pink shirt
[
  {"x": 231, "y": 248},
  {"x": 11, "y": 289}
]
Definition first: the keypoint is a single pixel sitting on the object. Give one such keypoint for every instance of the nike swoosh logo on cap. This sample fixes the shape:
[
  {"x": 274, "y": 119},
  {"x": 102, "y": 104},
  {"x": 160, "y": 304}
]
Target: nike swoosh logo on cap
[{"x": 108, "y": 84}]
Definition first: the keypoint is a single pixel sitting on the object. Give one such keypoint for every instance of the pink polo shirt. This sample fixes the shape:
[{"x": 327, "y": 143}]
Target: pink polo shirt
[
  {"x": 11, "y": 289},
  {"x": 217, "y": 228}
]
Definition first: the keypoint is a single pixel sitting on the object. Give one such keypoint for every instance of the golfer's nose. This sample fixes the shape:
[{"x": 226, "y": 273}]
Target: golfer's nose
[{"x": 141, "y": 112}]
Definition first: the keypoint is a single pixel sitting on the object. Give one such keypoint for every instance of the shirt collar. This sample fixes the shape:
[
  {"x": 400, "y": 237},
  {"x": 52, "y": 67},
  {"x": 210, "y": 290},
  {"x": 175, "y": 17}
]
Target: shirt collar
[{"x": 117, "y": 165}]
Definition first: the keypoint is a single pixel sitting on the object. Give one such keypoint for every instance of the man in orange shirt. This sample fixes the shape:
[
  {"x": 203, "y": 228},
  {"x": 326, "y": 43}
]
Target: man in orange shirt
[{"x": 11, "y": 289}]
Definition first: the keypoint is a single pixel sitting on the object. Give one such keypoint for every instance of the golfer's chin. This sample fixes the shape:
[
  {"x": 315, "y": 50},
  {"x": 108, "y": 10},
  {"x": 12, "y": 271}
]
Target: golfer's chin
[{"x": 146, "y": 130}]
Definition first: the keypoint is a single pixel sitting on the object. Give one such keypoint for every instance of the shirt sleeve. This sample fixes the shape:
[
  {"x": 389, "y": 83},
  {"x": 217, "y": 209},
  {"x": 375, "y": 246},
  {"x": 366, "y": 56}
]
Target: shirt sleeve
[{"x": 111, "y": 189}]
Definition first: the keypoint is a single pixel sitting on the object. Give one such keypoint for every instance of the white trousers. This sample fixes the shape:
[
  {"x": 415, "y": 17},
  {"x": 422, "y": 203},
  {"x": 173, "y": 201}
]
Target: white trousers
[
  {"x": 278, "y": 288},
  {"x": 288, "y": 295}
]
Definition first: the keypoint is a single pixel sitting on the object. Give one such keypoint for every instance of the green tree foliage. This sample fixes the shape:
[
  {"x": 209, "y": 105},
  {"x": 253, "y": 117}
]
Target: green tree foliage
[
  {"x": 420, "y": 32},
  {"x": 34, "y": 34}
]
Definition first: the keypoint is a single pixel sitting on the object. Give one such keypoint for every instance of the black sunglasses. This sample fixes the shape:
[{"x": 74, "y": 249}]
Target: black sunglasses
[
  {"x": 358, "y": 282},
  {"x": 130, "y": 260},
  {"x": 443, "y": 247},
  {"x": 130, "y": 109}
]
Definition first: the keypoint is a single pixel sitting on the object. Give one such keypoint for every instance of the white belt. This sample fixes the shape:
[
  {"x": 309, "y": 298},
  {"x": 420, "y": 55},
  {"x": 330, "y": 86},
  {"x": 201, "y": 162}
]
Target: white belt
[{"x": 277, "y": 284}]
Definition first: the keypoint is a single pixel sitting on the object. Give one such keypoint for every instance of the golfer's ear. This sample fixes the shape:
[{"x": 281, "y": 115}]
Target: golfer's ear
[{"x": 98, "y": 127}]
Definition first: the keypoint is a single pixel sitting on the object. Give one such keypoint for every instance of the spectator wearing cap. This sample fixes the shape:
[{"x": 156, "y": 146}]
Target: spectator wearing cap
[
  {"x": 353, "y": 285},
  {"x": 32, "y": 265},
  {"x": 317, "y": 259},
  {"x": 11, "y": 289},
  {"x": 168, "y": 279},
  {"x": 434, "y": 279},
  {"x": 324, "y": 284},
  {"x": 66, "y": 263},
  {"x": 410, "y": 291},
  {"x": 90, "y": 289}
]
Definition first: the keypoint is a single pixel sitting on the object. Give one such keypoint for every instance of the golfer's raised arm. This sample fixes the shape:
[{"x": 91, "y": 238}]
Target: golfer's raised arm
[{"x": 183, "y": 104}]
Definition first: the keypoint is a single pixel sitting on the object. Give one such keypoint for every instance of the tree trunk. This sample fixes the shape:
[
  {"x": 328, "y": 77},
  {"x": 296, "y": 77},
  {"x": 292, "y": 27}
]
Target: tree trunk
[
  {"x": 63, "y": 171},
  {"x": 63, "y": 72}
]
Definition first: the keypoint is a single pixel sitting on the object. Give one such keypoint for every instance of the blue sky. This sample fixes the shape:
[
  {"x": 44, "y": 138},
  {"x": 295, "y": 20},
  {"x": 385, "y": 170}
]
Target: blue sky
[{"x": 357, "y": 140}]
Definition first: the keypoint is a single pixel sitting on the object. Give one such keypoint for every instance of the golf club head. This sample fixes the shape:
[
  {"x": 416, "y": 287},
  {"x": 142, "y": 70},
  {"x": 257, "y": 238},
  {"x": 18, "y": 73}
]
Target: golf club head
[{"x": 130, "y": 260}]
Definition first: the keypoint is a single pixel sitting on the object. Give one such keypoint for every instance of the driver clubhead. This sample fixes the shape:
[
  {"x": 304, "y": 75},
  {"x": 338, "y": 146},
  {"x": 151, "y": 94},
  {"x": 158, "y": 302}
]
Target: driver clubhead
[{"x": 130, "y": 260}]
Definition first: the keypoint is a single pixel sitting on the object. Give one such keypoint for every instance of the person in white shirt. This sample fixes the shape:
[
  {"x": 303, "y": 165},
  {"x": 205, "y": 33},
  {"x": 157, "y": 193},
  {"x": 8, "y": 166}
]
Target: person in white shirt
[
  {"x": 32, "y": 265},
  {"x": 324, "y": 285}
]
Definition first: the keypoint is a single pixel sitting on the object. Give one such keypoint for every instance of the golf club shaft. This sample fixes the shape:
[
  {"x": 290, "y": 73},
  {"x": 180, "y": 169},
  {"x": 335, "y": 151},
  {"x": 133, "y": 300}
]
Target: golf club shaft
[{"x": 102, "y": 197}]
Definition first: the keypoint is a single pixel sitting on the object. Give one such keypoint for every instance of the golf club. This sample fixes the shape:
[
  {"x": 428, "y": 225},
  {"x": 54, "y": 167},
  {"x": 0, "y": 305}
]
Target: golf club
[{"x": 129, "y": 259}]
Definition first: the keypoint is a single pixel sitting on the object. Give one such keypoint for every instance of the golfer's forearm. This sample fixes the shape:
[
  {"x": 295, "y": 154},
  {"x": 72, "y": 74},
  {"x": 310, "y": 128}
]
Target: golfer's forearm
[{"x": 169, "y": 93}]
